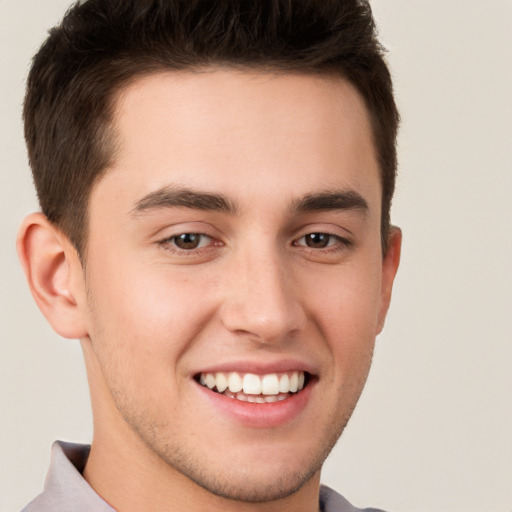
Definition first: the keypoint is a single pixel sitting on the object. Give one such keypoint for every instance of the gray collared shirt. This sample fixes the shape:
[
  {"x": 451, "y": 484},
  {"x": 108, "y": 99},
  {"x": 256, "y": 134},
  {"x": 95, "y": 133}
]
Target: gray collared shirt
[{"x": 65, "y": 489}]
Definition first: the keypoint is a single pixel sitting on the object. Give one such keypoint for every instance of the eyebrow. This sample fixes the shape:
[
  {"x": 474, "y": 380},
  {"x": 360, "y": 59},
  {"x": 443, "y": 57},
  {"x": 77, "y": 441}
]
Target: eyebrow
[
  {"x": 331, "y": 200},
  {"x": 179, "y": 197}
]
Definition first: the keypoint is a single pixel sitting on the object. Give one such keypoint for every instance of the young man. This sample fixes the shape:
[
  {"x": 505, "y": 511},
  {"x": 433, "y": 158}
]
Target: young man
[{"x": 215, "y": 181}]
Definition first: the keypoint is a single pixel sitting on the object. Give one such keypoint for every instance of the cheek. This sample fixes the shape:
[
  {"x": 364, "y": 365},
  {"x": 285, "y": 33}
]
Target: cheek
[
  {"x": 144, "y": 317},
  {"x": 345, "y": 299},
  {"x": 346, "y": 310}
]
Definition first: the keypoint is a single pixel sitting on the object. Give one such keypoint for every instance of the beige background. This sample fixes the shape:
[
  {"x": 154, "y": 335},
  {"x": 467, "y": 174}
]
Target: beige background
[{"x": 433, "y": 431}]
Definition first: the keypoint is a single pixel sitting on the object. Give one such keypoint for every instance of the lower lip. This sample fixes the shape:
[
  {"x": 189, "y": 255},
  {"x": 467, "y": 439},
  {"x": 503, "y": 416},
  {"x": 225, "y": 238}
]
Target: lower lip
[{"x": 266, "y": 415}]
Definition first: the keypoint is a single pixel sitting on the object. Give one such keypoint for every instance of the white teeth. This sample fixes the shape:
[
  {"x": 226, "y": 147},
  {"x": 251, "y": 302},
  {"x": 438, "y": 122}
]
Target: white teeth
[
  {"x": 270, "y": 384},
  {"x": 235, "y": 382},
  {"x": 284, "y": 383},
  {"x": 221, "y": 382},
  {"x": 301, "y": 381},
  {"x": 252, "y": 384},
  {"x": 210, "y": 380},
  {"x": 254, "y": 388},
  {"x": 294, "y": 382}
]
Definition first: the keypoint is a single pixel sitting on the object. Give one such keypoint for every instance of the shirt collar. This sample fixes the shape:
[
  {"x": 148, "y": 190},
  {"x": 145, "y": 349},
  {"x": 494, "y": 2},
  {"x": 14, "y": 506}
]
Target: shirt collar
[{"x": 65, "y": 488}]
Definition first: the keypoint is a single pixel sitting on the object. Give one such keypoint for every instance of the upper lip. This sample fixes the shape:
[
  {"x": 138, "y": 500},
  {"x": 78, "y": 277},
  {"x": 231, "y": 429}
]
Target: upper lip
[{"x": 259, "y": 368}]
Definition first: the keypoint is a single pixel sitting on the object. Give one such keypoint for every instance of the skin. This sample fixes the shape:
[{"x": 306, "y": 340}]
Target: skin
[{"x": 253, "y": 294}]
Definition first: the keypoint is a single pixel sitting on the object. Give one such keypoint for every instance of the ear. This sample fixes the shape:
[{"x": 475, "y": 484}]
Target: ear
[
  {"x": 390, "y": 263},
  {"x": 54, "y": 274}
]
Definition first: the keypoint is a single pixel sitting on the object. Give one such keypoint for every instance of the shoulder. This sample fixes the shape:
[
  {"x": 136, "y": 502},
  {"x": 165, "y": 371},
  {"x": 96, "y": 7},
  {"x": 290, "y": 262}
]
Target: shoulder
[{"x": 331, "y": 501}]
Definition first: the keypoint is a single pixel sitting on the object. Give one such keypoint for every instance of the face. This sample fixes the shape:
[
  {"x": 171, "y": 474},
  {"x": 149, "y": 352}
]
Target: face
[{"x": 234, "y": 280}]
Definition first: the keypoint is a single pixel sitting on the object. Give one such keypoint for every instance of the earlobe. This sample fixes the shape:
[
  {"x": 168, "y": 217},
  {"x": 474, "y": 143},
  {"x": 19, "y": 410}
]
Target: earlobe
[
  {"x": 54, "y": 274},
  {"x": 390, "y": 263}
]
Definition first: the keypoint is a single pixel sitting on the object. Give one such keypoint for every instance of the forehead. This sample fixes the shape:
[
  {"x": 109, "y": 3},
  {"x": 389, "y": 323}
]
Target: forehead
[{"x": 228, "y": 130}]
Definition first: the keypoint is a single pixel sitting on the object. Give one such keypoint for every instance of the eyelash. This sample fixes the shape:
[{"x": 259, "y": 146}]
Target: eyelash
[
  {"x": 339, "y": 243},
  {"x": 169, "y": 244},
  {"x": 335, "y": 243}
]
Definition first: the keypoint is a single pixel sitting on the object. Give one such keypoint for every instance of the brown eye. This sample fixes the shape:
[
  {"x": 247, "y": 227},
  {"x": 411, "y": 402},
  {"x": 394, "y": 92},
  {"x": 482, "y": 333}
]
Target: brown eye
[
  {"x": 318, "y": 240},
  {"x": 189, "y": 241}
]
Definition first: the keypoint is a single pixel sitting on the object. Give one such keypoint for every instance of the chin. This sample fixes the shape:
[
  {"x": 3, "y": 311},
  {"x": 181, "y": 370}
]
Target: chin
[
  {"x": 248, "y": 487},
  {"x": 253, "y": 476}
]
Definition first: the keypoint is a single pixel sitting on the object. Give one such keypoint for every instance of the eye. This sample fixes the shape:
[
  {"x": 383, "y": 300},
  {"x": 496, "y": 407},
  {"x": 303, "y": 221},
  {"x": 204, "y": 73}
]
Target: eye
[
  {"x": 320, "y": 241},
  {"x": 189, "y": 241}
]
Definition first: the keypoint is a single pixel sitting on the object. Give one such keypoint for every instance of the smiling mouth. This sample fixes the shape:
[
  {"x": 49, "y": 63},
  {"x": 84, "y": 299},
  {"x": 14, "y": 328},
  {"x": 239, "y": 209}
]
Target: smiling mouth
[{"x": 249, "y": 387}]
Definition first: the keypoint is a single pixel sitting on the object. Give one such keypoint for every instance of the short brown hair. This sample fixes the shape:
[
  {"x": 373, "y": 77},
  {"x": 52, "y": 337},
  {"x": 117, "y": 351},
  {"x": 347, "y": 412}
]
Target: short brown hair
[{"x": 101, "y": 45}]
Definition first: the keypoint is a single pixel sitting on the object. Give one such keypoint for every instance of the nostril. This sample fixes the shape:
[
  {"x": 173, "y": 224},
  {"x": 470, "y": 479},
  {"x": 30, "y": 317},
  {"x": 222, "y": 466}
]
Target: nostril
[{"x": 264, "y": 310}]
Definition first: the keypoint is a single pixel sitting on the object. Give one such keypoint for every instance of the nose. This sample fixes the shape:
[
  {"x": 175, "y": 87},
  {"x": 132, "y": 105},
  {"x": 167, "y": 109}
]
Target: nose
[{"x": 261, "y": 298}]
